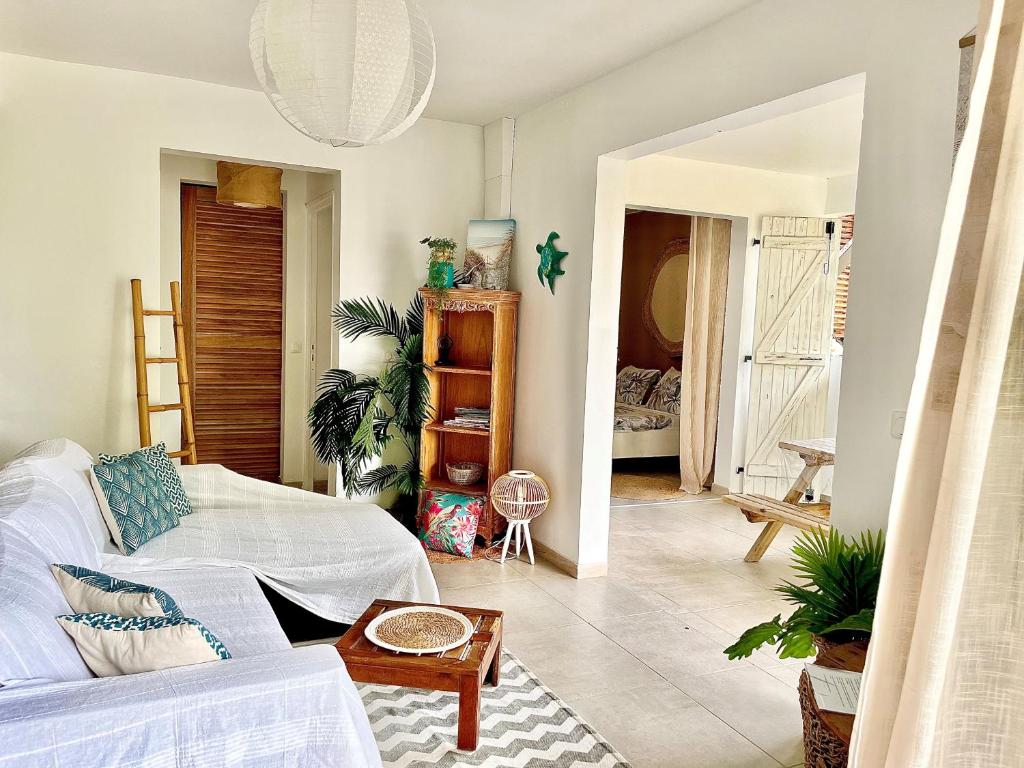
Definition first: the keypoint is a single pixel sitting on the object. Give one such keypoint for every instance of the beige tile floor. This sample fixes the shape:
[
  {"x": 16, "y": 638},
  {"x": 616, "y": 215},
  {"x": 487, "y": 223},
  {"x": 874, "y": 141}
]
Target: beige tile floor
[{"x": 639, "y": 653}]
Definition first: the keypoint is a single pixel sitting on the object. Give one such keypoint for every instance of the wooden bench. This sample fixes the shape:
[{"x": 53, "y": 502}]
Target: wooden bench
[
  {"x": 761, "y": 509},
  {"x": 816, "y": 453}
]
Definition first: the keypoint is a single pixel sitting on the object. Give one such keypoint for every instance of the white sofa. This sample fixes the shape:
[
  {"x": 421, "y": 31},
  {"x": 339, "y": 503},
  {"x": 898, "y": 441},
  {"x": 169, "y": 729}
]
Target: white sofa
[{"x": 269, "y": 705}]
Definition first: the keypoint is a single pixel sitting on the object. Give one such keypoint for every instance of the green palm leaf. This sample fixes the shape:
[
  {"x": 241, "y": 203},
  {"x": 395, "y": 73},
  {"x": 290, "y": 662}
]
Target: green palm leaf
[
  {"x": 369, "y": 317},
  {"x": 355, "y": 417},
  {"x": 834, "y": 594}
]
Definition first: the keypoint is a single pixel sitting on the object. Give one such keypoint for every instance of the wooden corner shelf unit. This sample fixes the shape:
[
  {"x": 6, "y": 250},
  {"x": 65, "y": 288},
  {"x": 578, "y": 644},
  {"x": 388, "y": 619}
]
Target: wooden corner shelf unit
[{"x": 482, "y": 327}]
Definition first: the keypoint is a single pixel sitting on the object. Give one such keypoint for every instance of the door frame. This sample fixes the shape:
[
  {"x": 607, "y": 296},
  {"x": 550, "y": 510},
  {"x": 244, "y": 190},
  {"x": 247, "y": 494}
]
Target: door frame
[{"x": 314, "y": 207}]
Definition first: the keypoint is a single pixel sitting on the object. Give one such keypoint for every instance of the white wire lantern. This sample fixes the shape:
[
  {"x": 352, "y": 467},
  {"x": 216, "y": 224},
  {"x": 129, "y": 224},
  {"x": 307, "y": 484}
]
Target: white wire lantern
[
  {"x": 344, "y": 72},
  {"x": 519, "y": 497}
]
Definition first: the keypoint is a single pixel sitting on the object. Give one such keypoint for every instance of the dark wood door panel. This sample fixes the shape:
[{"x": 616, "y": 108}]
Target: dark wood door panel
[{"x": 233, "y": 278}]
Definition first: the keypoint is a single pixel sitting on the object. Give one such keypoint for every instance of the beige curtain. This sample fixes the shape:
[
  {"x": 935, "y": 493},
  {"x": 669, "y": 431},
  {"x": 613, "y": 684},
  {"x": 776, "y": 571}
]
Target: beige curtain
[
  {"x": 707, "y": 279},
  {"x": 944, "y": 684}
]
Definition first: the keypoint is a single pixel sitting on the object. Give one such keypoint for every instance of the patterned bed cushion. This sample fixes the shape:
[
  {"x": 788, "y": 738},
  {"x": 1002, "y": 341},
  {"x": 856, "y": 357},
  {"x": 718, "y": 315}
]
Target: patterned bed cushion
[
  {"x": 90, "y": 591},
  {"x": 132, "y": 501},
  {"x": 127, "y": 645},
  {"x": 448, "y": 522},
  {"x": 630, "y": 418},
  {"x": 665, "y": 395},
  {"x": 156, "y": 456},
  {"x": 632, "y": 384}
]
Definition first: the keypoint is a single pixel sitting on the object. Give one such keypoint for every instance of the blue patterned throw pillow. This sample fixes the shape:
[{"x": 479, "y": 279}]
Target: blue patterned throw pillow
[
  {"x": 133, "y": 502},
  {"x": 89, "y": 591},
  {"x": 156, "y": 456},
  {"x": 127, "y": 645}
]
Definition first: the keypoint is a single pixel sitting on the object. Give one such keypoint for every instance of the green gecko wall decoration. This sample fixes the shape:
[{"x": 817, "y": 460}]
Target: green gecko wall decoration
[{"x": 550, "y": 265}]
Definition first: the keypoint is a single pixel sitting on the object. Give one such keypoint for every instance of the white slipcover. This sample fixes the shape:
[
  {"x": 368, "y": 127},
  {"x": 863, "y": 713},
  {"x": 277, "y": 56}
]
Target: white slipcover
[{"x": 332, "y": 557}]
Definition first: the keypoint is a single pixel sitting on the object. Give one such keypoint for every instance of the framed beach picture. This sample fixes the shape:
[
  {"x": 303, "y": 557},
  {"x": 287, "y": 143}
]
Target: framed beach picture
[{"x": 489, "y": 253}]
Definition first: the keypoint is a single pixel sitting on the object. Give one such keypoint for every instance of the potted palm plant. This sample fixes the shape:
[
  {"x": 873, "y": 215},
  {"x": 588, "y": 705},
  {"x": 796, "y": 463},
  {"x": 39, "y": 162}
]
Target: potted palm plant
[
  {"x": 836, "y": 602},
  {"x": 355, "y": 418}
]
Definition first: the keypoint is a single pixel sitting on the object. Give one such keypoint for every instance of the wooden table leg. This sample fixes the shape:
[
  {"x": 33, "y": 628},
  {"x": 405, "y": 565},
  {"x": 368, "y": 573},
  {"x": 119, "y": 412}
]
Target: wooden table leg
[
  {"x": 494, "y": 673},
  {"x": 768, "y": 533},
  {"x": 469, "y": 712}
]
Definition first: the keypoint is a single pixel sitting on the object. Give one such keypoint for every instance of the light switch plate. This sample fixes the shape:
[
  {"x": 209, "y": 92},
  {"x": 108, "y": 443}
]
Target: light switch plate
[
  {"x": 295, "y": 347},
  {"x": 897, "y": 423}
]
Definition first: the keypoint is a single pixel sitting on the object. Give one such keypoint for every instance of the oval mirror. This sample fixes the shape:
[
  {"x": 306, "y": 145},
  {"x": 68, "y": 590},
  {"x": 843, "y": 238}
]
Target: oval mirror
[{"x": 665, "y": 302}]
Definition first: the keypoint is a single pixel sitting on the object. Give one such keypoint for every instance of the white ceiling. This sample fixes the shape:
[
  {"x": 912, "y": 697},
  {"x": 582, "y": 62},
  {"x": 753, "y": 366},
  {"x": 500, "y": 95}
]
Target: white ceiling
[
  {"x": 494, "y": 57},
  {"x": 820, "y": 141}
]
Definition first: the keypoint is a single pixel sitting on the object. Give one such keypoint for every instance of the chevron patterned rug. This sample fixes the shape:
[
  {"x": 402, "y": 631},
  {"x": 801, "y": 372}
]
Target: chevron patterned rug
[{"x": 522, "y": 724}]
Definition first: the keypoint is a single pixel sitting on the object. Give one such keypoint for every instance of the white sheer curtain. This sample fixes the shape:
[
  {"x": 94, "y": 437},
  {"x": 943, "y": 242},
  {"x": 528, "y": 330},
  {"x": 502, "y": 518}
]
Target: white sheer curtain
[
  {"x": 944, "y": 683},
  {"x": 707, "y": 278}
]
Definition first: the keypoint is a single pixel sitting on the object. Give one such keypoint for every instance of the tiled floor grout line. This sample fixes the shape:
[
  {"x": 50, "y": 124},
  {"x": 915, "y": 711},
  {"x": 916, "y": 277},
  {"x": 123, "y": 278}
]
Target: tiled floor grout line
[{"x": 652, "y": 669}]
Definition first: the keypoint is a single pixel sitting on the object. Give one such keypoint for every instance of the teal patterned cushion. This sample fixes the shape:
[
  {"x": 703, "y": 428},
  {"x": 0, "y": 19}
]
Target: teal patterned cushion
[
  {"x": 127, "y": 645},
  {"x": 112, "y": 623},
  {"x": 82, "y": 599},
  {"x": 132, "y": 499},
  {"x": 156, "y": 456}
]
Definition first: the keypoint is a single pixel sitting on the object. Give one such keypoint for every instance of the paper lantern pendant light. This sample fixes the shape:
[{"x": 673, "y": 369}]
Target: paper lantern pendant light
[
  {"x": 344, "y": 72},
  {"x": 248, "y": 186}
]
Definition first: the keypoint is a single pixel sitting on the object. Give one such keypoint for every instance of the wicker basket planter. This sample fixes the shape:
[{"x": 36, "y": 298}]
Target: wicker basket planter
[{"x": 827, "y": 734}]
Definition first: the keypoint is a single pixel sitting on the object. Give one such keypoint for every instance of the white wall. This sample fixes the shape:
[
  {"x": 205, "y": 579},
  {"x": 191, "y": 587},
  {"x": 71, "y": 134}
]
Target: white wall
[
  {"x": 744, "y": 195},
  {"x": 909, "y": 53},
  {"x": 841, "y": 195},
  {"x": 80, "y": 215}
]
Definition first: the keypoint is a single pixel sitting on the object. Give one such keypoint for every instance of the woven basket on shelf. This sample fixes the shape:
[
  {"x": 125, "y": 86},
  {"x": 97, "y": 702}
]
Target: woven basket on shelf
[{"x": 465, "y": 472}]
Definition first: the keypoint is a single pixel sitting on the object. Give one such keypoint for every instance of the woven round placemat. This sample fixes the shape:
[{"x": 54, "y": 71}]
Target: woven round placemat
[{"x": 426, "y": 629}]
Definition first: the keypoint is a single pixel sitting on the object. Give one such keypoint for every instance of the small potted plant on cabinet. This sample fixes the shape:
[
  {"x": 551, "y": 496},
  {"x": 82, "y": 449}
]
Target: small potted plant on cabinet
[{"x": 441, "y": 266}]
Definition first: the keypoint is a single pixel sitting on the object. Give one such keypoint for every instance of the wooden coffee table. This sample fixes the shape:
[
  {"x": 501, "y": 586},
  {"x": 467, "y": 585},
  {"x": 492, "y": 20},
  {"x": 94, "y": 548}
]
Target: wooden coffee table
[{"x": 461, "y": 670}]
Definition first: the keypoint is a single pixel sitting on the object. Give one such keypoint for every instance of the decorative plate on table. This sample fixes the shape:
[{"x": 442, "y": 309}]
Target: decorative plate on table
[{"x": 419, "y": 629}]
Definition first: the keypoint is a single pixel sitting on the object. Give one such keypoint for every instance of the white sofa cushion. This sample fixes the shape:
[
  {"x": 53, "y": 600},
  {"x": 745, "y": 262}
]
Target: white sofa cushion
[
  {"x": 228, "y": 600},
  {"x": 33, "y": 647},
  {"x": 129, "y": 645},
  {"x": 60, "y": 515}
]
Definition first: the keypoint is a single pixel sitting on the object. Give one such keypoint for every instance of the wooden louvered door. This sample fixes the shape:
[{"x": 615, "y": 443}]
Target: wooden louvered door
[{"x": 233, "y": 278}]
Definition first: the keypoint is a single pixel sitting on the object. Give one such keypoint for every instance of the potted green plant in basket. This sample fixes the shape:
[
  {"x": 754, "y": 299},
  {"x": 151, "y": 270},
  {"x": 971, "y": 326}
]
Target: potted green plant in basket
[
  {"x": 355, "y": 418},
  {"x": 836, "y": 602}
]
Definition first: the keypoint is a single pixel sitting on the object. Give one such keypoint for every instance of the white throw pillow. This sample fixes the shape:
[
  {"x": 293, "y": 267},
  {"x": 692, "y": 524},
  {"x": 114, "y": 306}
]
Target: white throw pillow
[
  {"x": 122, "y": 645},
  {"x": 89, "y": 591}
]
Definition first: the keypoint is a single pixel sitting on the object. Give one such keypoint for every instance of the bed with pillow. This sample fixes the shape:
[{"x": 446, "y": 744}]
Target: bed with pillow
[{"x": 646, "y": 413}]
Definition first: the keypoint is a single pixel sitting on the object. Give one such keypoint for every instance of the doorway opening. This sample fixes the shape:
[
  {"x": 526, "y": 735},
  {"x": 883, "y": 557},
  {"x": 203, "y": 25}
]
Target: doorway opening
[
  {"x": 786, "y": 181},
  {"x": 258, "y": 287},
  {"x": 652, "y": 319}
]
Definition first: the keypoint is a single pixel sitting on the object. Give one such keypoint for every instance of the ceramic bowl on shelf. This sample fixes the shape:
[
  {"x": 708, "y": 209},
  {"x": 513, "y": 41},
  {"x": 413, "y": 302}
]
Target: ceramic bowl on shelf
[{"x": 465, "y": 472}]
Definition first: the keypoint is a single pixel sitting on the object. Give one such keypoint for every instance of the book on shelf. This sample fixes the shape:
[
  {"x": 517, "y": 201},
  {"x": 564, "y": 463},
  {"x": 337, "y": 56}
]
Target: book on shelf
[{"x": 470, "y": 418}]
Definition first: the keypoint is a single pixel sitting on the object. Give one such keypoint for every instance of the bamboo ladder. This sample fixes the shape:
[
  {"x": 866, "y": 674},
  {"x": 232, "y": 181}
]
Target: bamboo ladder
[{"x": 187, "y": 454}]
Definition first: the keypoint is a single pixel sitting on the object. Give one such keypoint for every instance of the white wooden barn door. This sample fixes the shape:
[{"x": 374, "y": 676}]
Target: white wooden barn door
[{"x": 792, "y": 341}]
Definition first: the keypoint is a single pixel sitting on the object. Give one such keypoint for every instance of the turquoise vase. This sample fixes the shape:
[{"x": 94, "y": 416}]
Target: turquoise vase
[{"x": 441, "y": 274}]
